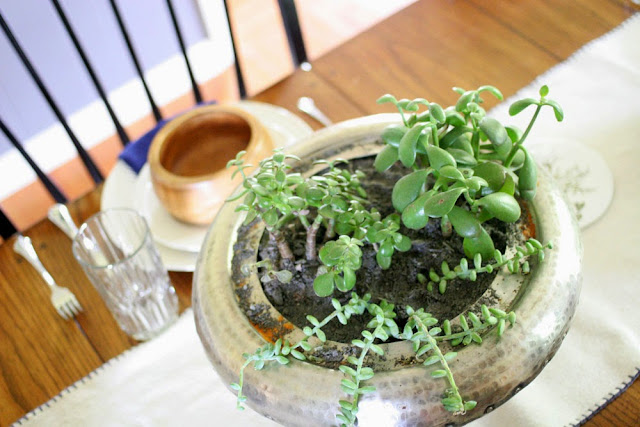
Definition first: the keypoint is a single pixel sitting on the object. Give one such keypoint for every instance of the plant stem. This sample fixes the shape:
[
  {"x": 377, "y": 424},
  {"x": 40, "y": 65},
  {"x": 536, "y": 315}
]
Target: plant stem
[
  {"x": 312, "y": 231},
  {"x": 281, "y": 243},
  {"x": 518, "y": 144}
]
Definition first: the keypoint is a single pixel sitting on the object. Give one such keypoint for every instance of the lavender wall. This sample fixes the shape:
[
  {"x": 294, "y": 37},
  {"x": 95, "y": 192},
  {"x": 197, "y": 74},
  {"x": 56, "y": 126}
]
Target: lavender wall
[{"x": 42, "y": 36}]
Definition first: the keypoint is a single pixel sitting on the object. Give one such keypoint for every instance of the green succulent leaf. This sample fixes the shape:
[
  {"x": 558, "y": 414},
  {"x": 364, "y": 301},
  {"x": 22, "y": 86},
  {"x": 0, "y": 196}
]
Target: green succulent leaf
[
  {"x": 408, "y": 188},
  {"x": 383, "y": 261},
  {"x": 497, "y": 134},
  {"x": 527, "y": 177},
  {"x": 440, "y": 204},
  {"x": 393, "y": 134},
  {"x": 480, "y": 244},
  {"x": 494, "y": 173},
  {"x": 437, "y": 112},
  {"x": 520, "y": 105},
  {"x": 439, "y": 157},
  {"x": 323, "y": 284},
  {"x": 501, "y": 206},
  {"x": 407, "y": 146},
  {"x": 386, "y": 158},
  {"x": 386, "y": 98},
  {"x": 465, "y": 224},
  {"x": 557, "y": 109},
  {"x": 462, "y": 157},
  {"x": 414, "y": 216}
]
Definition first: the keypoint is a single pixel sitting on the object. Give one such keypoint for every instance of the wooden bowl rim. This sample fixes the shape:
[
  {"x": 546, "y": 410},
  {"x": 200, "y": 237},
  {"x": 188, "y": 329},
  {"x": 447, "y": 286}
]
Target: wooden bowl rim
[{"x": 160, "y": 173}]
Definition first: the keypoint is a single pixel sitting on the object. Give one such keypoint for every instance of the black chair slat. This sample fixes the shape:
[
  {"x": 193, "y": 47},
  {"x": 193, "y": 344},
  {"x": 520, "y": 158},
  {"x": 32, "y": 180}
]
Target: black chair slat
[
  {"x": 134, "y": 59},
  {"x": 124, "y": 138},
  {"x": 49, "y": 185},
  {"x": 293, "y": 31},
  {"x": 176, "y": 26},
  {"x": 7, "y": 229},
  {"x": 242, "y": 90},
  {"x": 84, "y": 156}
]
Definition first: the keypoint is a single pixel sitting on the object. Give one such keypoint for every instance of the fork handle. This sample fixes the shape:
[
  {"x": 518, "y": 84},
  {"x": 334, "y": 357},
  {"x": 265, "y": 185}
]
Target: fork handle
[
  {"x": 60, "y": 216},
  {"x": 24, "y": 247}
]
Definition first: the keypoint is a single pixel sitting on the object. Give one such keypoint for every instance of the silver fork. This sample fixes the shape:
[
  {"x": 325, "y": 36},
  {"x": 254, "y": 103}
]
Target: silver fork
[{"x": 64, "y": 301}]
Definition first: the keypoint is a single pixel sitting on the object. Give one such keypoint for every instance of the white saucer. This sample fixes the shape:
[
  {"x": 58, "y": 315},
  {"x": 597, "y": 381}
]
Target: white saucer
[
  {"x": 179, "y": 243},
  {"x": 580, "y": 172}
]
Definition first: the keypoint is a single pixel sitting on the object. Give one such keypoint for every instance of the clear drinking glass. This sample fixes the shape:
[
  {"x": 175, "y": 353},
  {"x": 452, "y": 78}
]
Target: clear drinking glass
[{"x": 116, "y": 251}]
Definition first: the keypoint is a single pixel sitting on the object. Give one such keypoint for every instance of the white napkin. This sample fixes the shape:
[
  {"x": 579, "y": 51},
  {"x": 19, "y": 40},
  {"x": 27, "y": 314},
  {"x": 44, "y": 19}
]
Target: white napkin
[{"x": 169, "y": 380}]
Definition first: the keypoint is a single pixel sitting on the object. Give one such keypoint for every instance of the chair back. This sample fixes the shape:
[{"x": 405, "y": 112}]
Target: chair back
[{"x": 8, "y": 225}]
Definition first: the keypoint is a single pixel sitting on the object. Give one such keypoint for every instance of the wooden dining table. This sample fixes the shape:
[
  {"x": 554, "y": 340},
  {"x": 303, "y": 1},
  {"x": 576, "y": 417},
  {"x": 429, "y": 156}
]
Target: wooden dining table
[{"x": 423, "y": 50}]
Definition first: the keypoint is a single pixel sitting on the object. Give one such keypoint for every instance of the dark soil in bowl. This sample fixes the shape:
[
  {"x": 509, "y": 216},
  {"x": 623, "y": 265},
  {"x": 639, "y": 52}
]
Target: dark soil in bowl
[{"x": 398, "y": 284}]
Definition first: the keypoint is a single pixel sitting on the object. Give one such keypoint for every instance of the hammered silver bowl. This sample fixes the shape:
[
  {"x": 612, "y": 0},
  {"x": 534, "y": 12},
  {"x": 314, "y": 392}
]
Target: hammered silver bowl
[{"x": 233, "y": 316}]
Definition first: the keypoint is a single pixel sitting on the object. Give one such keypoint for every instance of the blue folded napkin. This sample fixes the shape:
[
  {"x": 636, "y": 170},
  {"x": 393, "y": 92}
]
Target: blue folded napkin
[{"x": 135, "y": 153}]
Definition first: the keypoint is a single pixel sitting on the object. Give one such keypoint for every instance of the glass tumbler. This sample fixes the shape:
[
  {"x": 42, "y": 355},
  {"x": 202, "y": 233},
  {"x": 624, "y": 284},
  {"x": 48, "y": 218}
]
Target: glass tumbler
[{"x": 116, "y": 251}]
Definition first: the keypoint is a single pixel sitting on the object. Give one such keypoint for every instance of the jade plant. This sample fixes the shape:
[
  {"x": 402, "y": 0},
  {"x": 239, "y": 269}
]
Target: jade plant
[{"x": 462, "y": 168}]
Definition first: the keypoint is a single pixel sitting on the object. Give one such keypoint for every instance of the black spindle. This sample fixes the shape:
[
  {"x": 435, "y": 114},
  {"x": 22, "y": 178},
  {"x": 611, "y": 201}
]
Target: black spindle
[
  {"x": 134, "y": 58},
  {"x": 292, "y": 28},
  {"x": 176, "y": 26},
  {"x": 7, "y": 229},
  {"x": 124, "y": 138},
  {"x": 241, "y": 86},
  {"x": 86, "y": 159},
  {"x": 50, "y": 186}
]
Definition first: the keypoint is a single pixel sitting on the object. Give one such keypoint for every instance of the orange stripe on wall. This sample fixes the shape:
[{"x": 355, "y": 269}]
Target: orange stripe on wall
[{"x": 29, "y": 205}]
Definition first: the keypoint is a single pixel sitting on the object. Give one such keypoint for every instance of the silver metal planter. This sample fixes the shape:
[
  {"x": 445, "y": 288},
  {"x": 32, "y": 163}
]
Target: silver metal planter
[{"x": 302, "y": 393}]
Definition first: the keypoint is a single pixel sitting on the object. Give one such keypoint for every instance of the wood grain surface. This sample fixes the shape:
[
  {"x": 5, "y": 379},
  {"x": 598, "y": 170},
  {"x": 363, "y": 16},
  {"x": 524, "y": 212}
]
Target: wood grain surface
[{"x": 423, "y": 50}]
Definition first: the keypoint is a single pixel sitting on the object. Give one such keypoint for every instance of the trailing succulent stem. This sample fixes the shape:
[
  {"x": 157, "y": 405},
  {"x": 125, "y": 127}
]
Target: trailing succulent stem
[
  {"x": 515, "y": 263},
  {"x": 421, "y": 329}
]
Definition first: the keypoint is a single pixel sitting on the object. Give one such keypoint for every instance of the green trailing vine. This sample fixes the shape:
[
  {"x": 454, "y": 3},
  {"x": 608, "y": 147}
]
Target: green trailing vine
[
  {"x": 515, "y": 263},
  {"x": 421, "y": 329}
]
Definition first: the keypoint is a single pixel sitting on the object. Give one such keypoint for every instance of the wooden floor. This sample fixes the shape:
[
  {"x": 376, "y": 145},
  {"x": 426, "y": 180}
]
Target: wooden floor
[{"x": 264, "y": 56}]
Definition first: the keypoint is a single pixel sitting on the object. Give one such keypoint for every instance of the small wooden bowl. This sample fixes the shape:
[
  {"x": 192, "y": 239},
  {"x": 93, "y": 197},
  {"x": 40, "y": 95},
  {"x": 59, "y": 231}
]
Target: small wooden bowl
[{"x": 188, "y": 158}]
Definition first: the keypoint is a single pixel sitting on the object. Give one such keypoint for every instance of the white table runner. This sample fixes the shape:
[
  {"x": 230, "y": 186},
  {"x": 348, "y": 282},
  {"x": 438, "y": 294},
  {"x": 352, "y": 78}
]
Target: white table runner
[{"x": 170, "y": 382}]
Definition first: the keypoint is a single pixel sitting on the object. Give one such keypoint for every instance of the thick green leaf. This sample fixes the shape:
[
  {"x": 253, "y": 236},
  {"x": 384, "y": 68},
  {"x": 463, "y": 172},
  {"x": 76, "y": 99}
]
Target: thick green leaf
[
  {"x": 520, "y": 105},
  {"x": 451, "y": 172},
  {"x": 493, "y": 173},
  {"x": 386, "y": 98},
  {"x": 407, "y": 147},
  {"x": 509, "y": 186},
  {"x": 462, "y": 157},
  {"x": 386, "y": 158},
  {"x": 403, "y": 244},
  {"x": 439, "y": 157},
  {"x": 497, "y": 134},
  {"x": 501, "y": 206},
  {"x": 527, "y": 177},
  {"x": 463, "y": 142},
  {"x": 481, "y": 244},
  {"x": 383, "y": 261},
  {"x": 557, "y": 109},
  {"x": 393, "y": 134},
  {"x": 323, "y": 284},
  {"x": 441, "y": 203},
  {"x": 463, "y": 221},
  {"x": 453, "y": 117},
  {"x": 453, "y": 135},
  {"x": 491, "y": 89},
  {"x": 348, "y": 282},
  {"x": 514, "y": 132},
  {"x": 414, "y": 216},
  {"x": 464, "y": 99},
  {"x": 408, "y": 188},
  {"x": 437, "y": 112}
]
